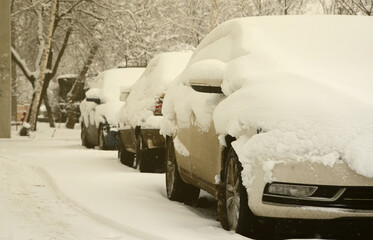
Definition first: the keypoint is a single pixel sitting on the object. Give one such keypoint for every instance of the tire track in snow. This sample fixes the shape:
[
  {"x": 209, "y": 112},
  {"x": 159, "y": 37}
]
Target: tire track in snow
[
  {"x": 39, "y": 178},
  {"x": 30, "y": 208}
]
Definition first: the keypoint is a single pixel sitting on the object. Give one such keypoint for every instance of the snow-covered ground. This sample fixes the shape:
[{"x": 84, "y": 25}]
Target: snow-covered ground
[{"x": 53, "y": 188}]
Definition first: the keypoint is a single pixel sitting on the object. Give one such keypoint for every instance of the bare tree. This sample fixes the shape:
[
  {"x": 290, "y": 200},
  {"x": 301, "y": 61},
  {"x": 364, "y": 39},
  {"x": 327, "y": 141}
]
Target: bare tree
[
  {"x": 77, "y": 87},
  {"x": 41, "y": 60}
]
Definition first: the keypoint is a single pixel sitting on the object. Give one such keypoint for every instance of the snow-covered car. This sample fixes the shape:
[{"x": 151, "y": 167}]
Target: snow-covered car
[
  {"x": 274, "y": 117},
  {"x": 141, "y": 144},
  {"x": 99, "y": 121}
]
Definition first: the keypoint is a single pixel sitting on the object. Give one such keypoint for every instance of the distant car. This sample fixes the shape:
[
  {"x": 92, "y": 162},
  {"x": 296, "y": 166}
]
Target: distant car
[
  {"x": 65, "y": 83},
  {"x": 141, "y": 144},
  {"x": 274, "y": 117},
  {"x": 99, "y": 108}
]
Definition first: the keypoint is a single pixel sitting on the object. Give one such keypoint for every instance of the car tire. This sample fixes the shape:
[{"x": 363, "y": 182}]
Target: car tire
[
  {"x": 83, "y": 136},
  {"x": 101, "y": 139},
  {"x": 159, "y": 162},
  {"x": 234, "y": 212},
  {"x": 177, "y": 189},
  {"x": 126, "y": 158},
  {"x": 143, "y": 157}
]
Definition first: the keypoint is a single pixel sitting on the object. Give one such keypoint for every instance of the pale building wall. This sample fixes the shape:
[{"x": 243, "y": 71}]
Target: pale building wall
[{"x": 5, "y": 76}]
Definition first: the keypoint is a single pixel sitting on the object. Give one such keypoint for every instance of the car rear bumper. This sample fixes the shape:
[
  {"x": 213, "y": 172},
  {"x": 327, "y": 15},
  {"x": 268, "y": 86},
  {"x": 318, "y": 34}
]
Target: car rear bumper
[
  {"x": 126, "y": 140},
  {"x": 153, "y": 139},
  {"x": 111, "y": 139},
  {"x": 341, "y": 192}
]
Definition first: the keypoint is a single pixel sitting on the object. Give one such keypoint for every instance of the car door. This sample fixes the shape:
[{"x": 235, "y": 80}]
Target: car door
[
  {"x": 205, "y": 156},
  {"x": 182, "y": 151},
  {"x": 205, "y": 149}
]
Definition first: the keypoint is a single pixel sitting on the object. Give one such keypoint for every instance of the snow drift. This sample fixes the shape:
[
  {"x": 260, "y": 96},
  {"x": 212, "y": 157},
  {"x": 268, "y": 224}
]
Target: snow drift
[{"x": 306, "y": 81}]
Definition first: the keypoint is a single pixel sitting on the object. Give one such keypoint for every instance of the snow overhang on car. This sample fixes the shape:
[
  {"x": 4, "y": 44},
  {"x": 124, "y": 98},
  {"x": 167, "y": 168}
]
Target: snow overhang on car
[{"x": 206, "y": 85}]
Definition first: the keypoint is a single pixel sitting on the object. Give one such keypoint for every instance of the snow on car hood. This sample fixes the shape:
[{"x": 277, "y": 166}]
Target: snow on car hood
[
  {"x": 160, "y": 72},
  {"x": 306, "y": 81}
]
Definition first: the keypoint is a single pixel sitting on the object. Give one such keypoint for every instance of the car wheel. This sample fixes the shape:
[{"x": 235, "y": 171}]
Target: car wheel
[
  {"x": 143, "y": 158},
  {"x": 83, "y": 136},
  {"x": 234, "y": 211},
  {"x": 126, "y": 158},
  {"x": 177, "y": 189},
  {"x": 101, "y": 139},
  {"x": 159, "y": 162}
]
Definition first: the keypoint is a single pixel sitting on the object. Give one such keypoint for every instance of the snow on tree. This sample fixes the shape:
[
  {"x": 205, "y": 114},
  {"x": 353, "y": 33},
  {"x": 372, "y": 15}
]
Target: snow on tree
[{"x": 348, "y": 7}]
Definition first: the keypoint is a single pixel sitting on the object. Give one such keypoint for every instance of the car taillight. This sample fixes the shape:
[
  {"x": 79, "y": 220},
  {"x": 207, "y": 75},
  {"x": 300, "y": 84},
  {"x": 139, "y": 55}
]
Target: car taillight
[{"x": 158, "y": 107}]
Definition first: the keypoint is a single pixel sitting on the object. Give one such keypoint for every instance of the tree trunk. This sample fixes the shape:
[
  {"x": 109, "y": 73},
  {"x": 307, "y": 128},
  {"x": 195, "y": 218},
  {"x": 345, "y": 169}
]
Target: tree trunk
[
  {"x": 40, "y": 82},
  {"x": 77, "y": 87},
  {"x": 49, "y": 110},
  {"x": 213, "y": 15},
  {"x": 48, "y": 78}
]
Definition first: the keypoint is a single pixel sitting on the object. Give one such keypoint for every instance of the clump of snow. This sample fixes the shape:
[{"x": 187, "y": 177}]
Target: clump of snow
[
  {"x": 305, "y": 80},
  {"x": 94, "y": 93},
  {"x": 222, "y": 141},
  {"x": 217, "y": 179},
  {"x": 180, "y": 147},
  {"x": 69, "y": 75},
  {"x": 112, "y": 80},
  {"x": 106, "y": 87},
  {"x": 152, "y": 85},
  {"x": 187, "y": 106}
]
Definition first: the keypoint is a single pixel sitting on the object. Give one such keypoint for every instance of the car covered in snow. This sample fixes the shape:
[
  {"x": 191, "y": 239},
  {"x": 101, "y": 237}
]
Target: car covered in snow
[
  {"x": 141, "y": 144},
  {"x": 100, "y": 107},
  {"x": 274, "y": 117}
]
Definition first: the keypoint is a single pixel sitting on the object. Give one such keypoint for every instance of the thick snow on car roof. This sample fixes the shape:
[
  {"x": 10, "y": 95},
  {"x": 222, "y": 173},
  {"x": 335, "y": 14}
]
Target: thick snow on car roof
[
  {"x": 160, "y": 72},
  {"x": 305, "y": 80},
  {"x": 107, "y": 87},
  {"x": 110, "y": 81},
  {"x": 335, "y": 48}
]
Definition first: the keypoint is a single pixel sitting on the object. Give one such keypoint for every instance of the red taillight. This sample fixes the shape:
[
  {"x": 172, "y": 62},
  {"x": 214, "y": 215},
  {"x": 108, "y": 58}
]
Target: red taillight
[{"x": 158, "y": 107}]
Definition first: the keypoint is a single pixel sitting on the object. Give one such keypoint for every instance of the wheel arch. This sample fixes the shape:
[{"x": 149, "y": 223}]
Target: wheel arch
[{"x": 228, "y": 140}]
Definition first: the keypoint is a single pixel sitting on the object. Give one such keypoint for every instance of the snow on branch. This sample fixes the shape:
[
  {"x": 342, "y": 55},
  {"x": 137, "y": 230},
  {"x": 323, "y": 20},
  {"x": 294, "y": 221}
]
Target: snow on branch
[
  {"x": 23, "y": 66},
  {"x": 62, "y": 51},
  {"x": 92, "y": 15},
  {"x": 71, "y": 8},
  {"x": 26, "y": 8}
]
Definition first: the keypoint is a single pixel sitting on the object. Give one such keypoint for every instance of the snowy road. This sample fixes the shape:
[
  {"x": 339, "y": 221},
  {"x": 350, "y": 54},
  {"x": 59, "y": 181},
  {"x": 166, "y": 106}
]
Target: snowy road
[{"x": 53, "y": 188}]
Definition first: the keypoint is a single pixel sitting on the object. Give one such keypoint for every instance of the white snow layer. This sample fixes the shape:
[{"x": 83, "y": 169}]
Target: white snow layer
[
  {"x": 53, "y": 188},
  {"x": 160, "y": 72},
  {"x": 305, "y": 80},
  {"x": 107, "y": 87}
]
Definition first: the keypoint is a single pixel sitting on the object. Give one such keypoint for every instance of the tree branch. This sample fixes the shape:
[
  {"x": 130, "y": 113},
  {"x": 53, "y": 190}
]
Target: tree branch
[
  {"x": 61, "y": 52},
  {"x": 71, "y": 8},
  {"x": 92, "y": 15},
  {"x": 25, "y": 9},
  {"x": 23, "y": 66},
  {"x": 362, "y": 7}
]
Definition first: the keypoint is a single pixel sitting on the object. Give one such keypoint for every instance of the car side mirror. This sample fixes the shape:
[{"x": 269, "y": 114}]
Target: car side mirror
[
  {"x": 206, "y": 85},
  {"x": 95, "y": 100}
]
